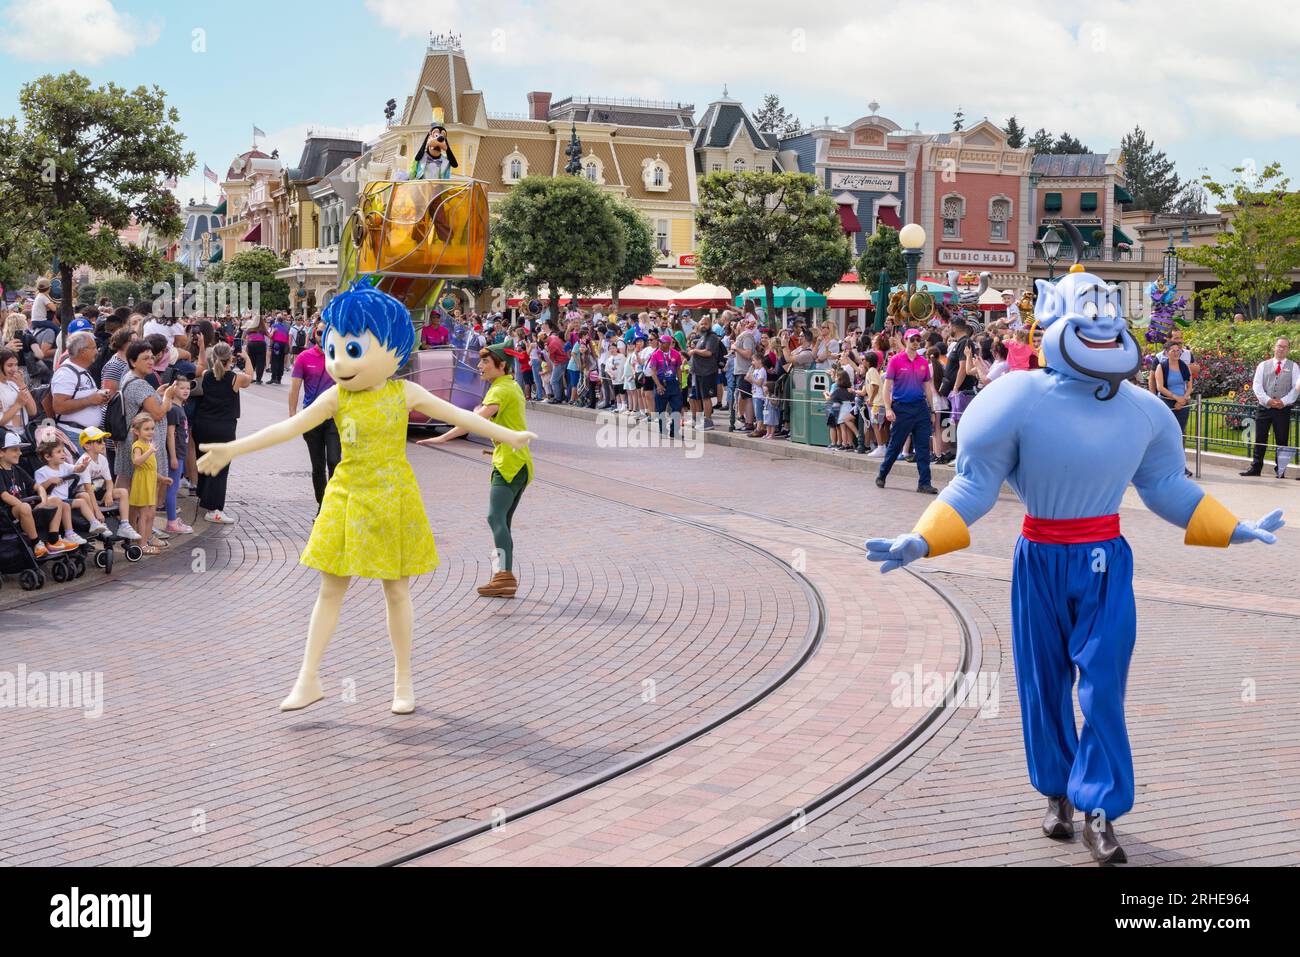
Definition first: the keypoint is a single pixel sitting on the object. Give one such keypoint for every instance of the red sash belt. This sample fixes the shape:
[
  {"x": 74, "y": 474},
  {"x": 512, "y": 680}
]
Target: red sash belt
[{"x": 1070, "y": 531}]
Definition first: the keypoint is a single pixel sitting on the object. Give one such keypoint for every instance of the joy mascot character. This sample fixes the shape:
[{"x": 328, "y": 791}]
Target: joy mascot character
[
  {"x": 372, "y": 522},
  {"x": 1069, "y": 440}
]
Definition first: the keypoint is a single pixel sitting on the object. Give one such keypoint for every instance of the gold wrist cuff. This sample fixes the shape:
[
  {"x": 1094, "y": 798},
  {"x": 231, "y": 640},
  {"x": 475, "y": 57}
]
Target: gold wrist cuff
[{"x": 943, "y": 529}]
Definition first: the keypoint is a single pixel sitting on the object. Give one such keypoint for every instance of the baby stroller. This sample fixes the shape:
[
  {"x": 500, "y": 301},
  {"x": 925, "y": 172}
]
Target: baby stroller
[
  {"x": 18, "y": 560},
  {"x": 101, "y": 556}
]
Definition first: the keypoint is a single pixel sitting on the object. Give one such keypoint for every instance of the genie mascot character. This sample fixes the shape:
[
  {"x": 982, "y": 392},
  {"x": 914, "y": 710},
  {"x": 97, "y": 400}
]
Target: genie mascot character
[{"x": 1069, "y": 440}]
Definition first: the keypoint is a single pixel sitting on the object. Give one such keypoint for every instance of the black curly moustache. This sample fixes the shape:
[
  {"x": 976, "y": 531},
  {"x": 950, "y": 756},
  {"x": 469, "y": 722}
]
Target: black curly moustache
[{"x": 1112, "y": 379}]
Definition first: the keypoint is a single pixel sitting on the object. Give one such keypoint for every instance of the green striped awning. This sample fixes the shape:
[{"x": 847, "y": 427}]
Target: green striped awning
[
  {"x": 1052, "y": 202},
  {"x": 1122, "y": 195},
  {"x": 221, "y": 209},
  {"x": 216, "y": 256},
  {"x": 1118, "y": 236},
  {"x": 1087, "y": 201}
]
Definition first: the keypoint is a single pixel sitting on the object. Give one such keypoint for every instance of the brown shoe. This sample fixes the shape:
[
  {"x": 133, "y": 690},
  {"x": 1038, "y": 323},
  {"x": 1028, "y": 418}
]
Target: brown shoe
[{"x": 502, "y": 585}]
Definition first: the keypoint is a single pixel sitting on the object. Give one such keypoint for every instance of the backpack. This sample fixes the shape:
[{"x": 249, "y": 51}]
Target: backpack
[
  {"x": 115, "y": 423},
  {"x": 47, "y": 400}
]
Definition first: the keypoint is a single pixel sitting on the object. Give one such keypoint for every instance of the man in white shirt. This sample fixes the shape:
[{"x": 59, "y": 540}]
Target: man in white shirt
[
  {"x": 1276, "y": 385},
  {"x": 78, "y": 401}
]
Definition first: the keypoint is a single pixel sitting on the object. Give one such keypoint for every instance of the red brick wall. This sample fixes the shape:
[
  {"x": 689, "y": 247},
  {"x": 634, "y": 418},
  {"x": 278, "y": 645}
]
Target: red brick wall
[{"x": 977, "y": 189}]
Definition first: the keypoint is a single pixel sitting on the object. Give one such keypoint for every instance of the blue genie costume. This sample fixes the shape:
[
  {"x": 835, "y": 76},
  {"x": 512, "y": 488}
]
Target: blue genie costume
[{"x": 1069, "y": 440}]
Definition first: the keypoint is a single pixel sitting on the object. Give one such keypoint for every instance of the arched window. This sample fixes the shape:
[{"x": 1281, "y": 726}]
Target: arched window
[
  {"x": 659, "y": 176},
  {"x": 739, "y": 165},
  {"x": 999, "y": 217},
  {"x": 954, "y": 211},
  {"x": 516, "y": 169},
  {"x": 592, "y": 173},
  {"x": 656, "y": 175}
]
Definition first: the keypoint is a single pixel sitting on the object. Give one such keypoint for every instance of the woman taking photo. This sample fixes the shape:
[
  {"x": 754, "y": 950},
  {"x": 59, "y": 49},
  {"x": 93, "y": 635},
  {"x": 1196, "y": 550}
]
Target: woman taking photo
[
  {"x": 216, "y": 417},
  {"x": 16, "y": 403},
  {"x": 139, "y": 395}
]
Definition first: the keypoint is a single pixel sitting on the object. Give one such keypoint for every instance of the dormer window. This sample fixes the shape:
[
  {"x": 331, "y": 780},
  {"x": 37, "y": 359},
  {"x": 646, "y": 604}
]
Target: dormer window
[
  {"x": 594, "y": 169},
  {"x": 656, "y": 175},
  {"x": 739, "y": 165},
  {"x": 514, "y": 167}
]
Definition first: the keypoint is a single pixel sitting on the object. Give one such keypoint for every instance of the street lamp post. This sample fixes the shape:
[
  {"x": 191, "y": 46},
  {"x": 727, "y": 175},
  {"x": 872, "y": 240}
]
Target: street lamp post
[
  {"x": 301, "y": 274},
  {"x": 1051, "y": 243},
  {"x": 1171, "y": 263},
  {"x": 912, "y": 238}
]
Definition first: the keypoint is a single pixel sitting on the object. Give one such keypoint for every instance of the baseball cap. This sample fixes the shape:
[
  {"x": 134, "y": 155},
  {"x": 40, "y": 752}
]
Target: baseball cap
[
  {"x": 80, "y": 324},
  {"x": 92, "y": 434},
  {"x": 12, "y": 441},
  {"x": 911, "y": 332},
  {"x": 665, "y": 338}
]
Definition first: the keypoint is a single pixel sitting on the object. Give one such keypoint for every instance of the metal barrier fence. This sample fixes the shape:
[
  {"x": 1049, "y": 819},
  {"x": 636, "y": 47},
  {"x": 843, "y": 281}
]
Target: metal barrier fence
[{"x": 1215, "y": 425}]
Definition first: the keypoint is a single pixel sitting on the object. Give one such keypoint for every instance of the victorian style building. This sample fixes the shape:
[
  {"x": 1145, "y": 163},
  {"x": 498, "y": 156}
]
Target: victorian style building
[{"x": 638, "y": 149}]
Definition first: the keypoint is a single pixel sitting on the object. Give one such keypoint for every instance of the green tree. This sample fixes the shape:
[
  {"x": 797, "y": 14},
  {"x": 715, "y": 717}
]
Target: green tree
[
  {"x": 640, "y": 254},
  {"x": 1015, "y": 133},
  {"x": 1256, "y": 257},
  {"x": 774, "y": 228},
  {"x": 772, "y": 117},
  {"x": 883, "y": 251},
  {"x": 86, "y": 162},
  {"x": 256, "y": 268},
  {"x": 120, "y": 292},
  {"x": 560, "y": 232},
  {"x": 88, "y": 294},
  {"x": 1042, "y": 141},
  {"x": 1150, "y": 174},
  {"x": 1065, "y": 143}
]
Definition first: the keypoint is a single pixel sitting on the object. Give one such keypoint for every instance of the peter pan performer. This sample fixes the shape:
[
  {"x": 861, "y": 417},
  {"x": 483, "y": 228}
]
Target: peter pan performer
[
  {"x": 1069, "y": 440},
  {"x": 371, "y": 522},
  {"x": 512, "y": 468}
]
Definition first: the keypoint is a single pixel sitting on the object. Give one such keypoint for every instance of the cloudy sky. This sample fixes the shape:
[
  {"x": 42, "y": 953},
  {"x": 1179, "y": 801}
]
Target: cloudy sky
[{"x": 1216, "y": 86}]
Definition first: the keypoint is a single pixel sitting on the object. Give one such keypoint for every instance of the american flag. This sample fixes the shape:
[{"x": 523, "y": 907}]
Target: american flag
[
  {"x": 257, "y": 132},
  {"x": 208, "y": 174},
  {"x": 170, "y": 183}
]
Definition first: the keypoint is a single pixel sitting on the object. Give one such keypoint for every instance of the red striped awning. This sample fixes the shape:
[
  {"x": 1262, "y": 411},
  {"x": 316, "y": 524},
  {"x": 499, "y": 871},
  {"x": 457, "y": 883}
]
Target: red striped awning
[
  {"x": 889, "y": 216},
  {"x": 253, "y": 235},
  {"x": 849, "y": 219}
]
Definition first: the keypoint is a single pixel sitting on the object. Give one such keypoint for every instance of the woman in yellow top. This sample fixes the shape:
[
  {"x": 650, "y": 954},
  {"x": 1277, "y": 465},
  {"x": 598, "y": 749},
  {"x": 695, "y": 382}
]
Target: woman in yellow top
[
  {"x": 371, "y": 522},
  {"x": 512, "y": 468}
]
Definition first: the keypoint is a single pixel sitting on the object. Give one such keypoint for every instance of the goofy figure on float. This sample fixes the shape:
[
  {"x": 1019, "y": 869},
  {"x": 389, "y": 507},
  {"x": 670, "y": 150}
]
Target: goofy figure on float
[{"x": 1068, "y": 441}]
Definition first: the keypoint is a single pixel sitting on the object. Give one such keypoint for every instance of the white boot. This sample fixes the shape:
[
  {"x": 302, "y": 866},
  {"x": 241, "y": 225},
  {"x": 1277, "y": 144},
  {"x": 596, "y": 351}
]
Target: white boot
[{"x": 305, "y": 691}]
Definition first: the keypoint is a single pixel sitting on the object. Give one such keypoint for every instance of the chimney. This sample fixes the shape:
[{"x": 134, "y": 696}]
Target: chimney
[{"x": 539, "y": 106}]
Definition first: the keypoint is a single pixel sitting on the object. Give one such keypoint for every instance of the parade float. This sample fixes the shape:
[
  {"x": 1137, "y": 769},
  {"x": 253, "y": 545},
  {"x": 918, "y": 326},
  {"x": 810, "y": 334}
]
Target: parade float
[{"x": 413, "y": 238}]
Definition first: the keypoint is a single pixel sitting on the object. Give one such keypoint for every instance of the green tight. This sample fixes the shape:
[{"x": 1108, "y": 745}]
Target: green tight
[{"x": 503, "y": 499}]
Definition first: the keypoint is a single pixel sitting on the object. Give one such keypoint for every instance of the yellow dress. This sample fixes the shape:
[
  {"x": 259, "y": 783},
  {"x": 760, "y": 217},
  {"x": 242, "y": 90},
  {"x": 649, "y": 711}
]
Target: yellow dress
[
  {"x": 144, "y": 480},
  {"x": 372, "y": 522}
]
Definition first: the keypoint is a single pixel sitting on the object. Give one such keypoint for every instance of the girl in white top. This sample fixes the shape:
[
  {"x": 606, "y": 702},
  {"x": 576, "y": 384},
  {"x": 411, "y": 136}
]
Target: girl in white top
[{"x": 613, "y": 368}]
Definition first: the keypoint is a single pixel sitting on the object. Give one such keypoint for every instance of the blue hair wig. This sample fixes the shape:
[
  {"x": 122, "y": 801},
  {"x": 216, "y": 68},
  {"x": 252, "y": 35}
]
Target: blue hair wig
[{"x": 363, "y": 308}]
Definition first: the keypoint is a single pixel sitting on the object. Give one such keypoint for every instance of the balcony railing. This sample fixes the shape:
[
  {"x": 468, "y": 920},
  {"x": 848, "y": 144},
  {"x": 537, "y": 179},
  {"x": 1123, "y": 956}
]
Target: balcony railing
[{"x": 1099, "y": 254}]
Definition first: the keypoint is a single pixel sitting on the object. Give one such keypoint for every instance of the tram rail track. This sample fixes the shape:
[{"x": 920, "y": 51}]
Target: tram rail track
[{"x": 920, "y": 732}]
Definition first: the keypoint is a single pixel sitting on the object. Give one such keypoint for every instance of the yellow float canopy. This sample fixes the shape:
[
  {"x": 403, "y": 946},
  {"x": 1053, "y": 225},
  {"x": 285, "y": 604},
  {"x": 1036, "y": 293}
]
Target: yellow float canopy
[{"x": 415, "y": 234}]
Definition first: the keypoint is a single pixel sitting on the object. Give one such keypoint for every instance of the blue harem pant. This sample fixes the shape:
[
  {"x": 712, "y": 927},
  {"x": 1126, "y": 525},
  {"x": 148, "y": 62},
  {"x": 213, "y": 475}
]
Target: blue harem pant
[{"x": 1072, "y": 610}]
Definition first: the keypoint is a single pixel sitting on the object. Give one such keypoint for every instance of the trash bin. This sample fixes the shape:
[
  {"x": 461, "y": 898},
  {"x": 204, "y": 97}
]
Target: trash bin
[{"x": 808, "y": 406}]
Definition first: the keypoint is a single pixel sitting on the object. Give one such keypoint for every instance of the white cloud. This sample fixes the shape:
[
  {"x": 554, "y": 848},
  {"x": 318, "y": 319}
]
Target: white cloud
[
  {"x": 80, "y": 31},
  {"x": 1093, "y": 67}
]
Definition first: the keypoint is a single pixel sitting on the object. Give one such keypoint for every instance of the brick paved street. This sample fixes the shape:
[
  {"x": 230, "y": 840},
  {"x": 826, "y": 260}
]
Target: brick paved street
[{"x": 704, "y": 570}]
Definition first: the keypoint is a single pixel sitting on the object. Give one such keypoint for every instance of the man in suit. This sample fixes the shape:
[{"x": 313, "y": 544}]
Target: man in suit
[{"x": 1276, "y": 385}]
